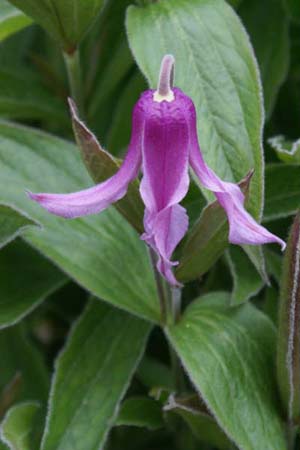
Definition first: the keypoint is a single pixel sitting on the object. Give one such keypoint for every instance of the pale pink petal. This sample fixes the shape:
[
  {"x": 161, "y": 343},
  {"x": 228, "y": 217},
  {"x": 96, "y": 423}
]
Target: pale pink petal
[
  {"x": 243, "y": 229},
  {"x": 99, "y": 197}
]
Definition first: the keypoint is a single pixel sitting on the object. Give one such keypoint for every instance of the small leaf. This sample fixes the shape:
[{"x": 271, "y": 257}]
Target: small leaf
[
  {"x": 228, "y": 354},
  {"x": 19, "y": 424},
  {"x": 287, "y": 151},
  {"x": 207, "y": 240},
  {"x": 26, "y": 279},
  {"x": 154, "y": 374},
  {"x": 199, "y": 420},
  {"x": 268, "y": 26},
  {"x": 67, "y": 21},
  {"x": 246, "y": 280},
  {"x": 12, "y": 223},
  {"x": 282, "y": 191},
  {"x": 215, "y": 66},
  {"x": 288, "y": 361},
  {"x": 11, "y": 20},
  {"x": 102, "y": 253},
  {"x": 101, "y": 165},
  {"x": 140, "y": 412},
  {"x": 92, "y": 375}
]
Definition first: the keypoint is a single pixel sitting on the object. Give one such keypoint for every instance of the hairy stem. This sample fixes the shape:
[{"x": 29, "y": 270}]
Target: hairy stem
[{"x": 73, "y": 67}]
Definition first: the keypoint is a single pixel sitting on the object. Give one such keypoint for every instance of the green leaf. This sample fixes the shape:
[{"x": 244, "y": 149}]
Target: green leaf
[
  {"x": 26, "y": 279},
  {"x": 120, "y": 128},
  {"x": 92, "y": 375},
  {"x": 67, "y": 21},
  {"x": 202, "y": 424},
  {"x": 215, "y": 66},
  {"x": 246, "y": 280},
  {"x": 268, "y": 26},
  {"x": 154, "y": 374},
  {"x": 11, "y": 20},
  {"x": 102, "y": 252},
  {"x": 288, "y": 363},
  {"x": 228, "y": 354},
  {"x": 12, "y": 224},
  {"x": 23, "y": 96},
  {"x": 282, "y": 191},
  {"x": 140, "y": 412},
  {"x": 19, "y": 424},
  {"x": 19, "y": 356},
  {"x": 293, "y": 8},
  {"x": 287, "y": 151}
]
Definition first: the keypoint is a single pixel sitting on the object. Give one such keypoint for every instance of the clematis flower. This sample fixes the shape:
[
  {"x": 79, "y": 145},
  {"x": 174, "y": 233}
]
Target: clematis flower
[{"x": 163, "y": 144}]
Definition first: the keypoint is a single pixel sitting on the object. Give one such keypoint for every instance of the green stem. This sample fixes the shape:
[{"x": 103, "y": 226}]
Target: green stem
[
  {"x": 291, "y": 433},
  {"x": 163, "y": 301},
  {"x": 72, "y": 61}
]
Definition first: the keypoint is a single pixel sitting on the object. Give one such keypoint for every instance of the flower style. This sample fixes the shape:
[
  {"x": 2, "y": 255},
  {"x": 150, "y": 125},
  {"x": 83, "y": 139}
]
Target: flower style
[{"x": 163, "y": 143}]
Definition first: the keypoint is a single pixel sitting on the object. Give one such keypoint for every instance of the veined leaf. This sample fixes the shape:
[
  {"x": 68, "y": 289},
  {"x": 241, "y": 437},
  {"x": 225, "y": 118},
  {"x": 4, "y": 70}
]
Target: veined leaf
[
  {"x": 66, "y": 21},
  {"x": 92, "y": 375},
  {"x": 216, "y": 67},
  {"x": 102, "y": 253},
  {"x": 11, "y": 20},
  {"x": 228, "y": 354},
  {"x": 26, "y": 279}
]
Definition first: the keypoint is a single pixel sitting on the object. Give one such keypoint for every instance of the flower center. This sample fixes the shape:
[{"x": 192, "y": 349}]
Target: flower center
[{"x": 165, "y": 82}]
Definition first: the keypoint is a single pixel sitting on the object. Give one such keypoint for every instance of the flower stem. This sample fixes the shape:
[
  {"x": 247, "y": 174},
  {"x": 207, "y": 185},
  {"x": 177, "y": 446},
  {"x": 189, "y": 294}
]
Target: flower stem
[
  {"x": 163, "y": 301},
  {"x": 72, "y": 61}
]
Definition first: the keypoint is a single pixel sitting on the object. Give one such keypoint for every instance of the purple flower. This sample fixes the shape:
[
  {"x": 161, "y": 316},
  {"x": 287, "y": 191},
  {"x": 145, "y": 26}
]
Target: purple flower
[{"x": 163, "y": 143}]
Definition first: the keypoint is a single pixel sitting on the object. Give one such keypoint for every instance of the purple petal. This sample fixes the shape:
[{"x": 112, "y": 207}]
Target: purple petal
[
  {"x": 99, "y": 197},
  {"x": 165, "y": 177},
  {"x": 163, "y": 232},
  {"x": 243, "y": 229}
]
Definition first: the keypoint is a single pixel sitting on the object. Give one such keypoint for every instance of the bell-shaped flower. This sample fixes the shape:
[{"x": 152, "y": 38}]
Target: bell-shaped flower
[{"x": 163, "y": 144}]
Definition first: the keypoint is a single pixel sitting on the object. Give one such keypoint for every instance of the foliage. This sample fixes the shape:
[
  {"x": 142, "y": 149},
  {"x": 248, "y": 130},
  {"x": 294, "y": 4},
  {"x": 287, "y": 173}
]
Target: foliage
[{"x": 97, "y": 351}]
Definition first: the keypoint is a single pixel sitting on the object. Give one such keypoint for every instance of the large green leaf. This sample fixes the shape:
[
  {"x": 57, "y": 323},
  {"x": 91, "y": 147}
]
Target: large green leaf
[
  {"x": 12, "y": 223},
  {"x": 282, "y": 191},
  {"x": 19, "y": 424},
  {"x": 67, "y": 20},
  {"x": 229, "y": 354},
  {"x": 268, "y": 26},
  {"x": 23, "y": 96},
  {"x": 216, "y": 68},
  {"x": 102, "y": 253},
  {"x": 92, "y": 375},
  {"x": 11, "y": 20},
  {"x": 26, "y": 279}
]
